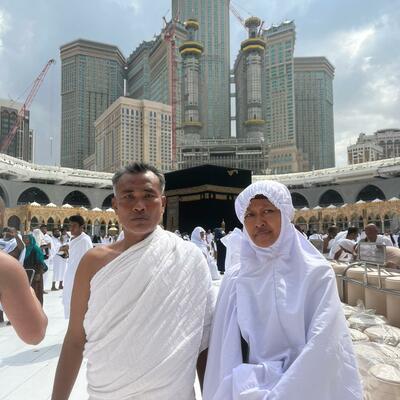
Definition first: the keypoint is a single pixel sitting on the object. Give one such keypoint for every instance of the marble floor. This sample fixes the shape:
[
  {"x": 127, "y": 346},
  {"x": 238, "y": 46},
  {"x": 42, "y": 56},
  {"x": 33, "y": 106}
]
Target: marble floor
[{"x": 27, "y": 372}]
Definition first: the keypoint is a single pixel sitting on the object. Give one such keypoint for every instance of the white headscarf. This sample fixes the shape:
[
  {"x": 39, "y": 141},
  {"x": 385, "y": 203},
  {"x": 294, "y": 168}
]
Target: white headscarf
[
  {"x": 196, "y": 238},
  {"x": 283, "y": 300}
]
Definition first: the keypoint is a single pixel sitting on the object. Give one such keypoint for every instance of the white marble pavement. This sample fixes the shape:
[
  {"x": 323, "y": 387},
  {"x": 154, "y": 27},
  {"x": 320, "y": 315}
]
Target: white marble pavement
[{"x": 27, "y": 372}]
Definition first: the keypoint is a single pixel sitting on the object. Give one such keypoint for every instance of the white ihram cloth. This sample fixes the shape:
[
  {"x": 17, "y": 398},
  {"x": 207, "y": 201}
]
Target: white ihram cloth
[
  {"x": 78, "y": 247},
  {"x": 149, "y": 317},
  {"x": 284, "y": 301},
  {"x": 48, "y": 276},
  {"x": 202, "y": 245},
  {"x": 59, "y": 263}
]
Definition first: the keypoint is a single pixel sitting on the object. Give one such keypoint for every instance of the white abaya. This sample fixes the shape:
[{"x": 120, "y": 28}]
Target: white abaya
[{"x": 283, "y": 300}]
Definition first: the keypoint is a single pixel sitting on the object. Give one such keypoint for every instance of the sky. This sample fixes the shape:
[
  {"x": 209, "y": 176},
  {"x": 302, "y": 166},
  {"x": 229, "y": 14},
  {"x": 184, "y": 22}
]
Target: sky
[{"x": 361, "y": 38}]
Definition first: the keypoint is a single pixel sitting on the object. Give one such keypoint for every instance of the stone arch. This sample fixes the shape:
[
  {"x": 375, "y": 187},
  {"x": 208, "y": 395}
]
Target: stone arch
[
  {"x": 34, "y": 223},
  {"x": 375, "y": 219},
  {"x": 14, "y": 222},
  {"x": 107, "y": 201},
  {"x": 77, "y": 199},
  {"x": 341, "y": 222},
  {"x": 313, "y": 224},
  {"x": 33, "y": 194},
  {"x": 327, "y": 222},
  {"x": 355, "y": 220},
  {"x": 302, "y": 223},
  {"x": 103, "y": 226},
  {"x": 299, "y": 201},
  {"x": 387, "y": 219},
  {"x": 97, "y": 226},
  {"x": 369, "y": 193},
  {"x": 330, "y": 197},
  {"x": 50, "y": 224},
  {"x": 66, "y": 224}
]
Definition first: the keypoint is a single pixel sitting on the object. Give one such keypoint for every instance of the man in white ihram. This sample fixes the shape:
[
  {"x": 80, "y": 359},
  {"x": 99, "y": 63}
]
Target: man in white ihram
[
  {"x": 141, "y": 307},
  {"x": 78, "y": 247}
]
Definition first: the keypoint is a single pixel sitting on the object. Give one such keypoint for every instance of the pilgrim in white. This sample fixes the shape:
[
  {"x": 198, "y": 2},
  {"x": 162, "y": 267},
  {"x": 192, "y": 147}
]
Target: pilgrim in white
[
  {"x": 279, "y": 332},
  {"x": 141, "y": 307},
  {"x": 78, "y": 247},
  {"x": 198, "y": 237}
]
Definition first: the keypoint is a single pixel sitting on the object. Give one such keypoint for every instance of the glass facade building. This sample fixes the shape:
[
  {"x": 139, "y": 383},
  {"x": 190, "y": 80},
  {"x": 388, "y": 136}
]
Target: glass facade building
[
  {"x": 92, "y": 78},
  {"x": 279, "y": 107},
  {"x": 313, "y": 77}
]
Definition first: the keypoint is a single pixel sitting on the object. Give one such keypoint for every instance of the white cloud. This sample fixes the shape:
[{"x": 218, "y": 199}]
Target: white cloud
[
  {"x": 4, "y": 27},
  {"x": 134, "y": 5},
  {"x": 352, "y": 43}
]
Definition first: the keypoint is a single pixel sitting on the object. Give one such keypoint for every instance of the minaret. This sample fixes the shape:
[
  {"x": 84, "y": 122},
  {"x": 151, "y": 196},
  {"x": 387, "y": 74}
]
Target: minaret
[
  {"x": 253, "y": 49},
  {"x": 191, "y": 51}
]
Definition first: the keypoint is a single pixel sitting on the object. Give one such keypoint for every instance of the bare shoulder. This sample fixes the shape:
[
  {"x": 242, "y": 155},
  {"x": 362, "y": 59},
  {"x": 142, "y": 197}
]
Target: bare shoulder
[{"x": 98, "y": 257}]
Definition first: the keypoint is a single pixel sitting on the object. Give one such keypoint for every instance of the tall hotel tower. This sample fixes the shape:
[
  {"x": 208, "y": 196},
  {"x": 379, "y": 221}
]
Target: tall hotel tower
[
  {"x": 213, "y": 17},
  {"x": 92, "y": 78},
  {"x": 254, "y": 48},
  {"x": 191, "y": 51}
]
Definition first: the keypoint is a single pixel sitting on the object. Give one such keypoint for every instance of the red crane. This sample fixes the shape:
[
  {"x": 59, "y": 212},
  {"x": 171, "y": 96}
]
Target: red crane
[
  {"x": 169, "y": 37},
  {"x": 21, "y": 113}
]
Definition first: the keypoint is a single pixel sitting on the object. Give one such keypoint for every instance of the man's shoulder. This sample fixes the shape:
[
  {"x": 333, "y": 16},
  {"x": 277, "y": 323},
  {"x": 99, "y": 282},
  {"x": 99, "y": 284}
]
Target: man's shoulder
[{"x": 98, "y": 257}]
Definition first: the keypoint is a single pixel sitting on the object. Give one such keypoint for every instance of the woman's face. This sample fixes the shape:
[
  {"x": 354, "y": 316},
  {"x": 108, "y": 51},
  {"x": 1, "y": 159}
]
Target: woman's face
[
  {"x": 202, "y": 234},
  {"x": 26, "y": 240},
  {"x": 263, "y": 222}
]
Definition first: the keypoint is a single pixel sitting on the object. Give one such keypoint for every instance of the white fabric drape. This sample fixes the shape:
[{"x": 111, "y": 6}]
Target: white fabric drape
[
  {"x": 149, "y": 317},
  {"x": 77, "y": 249},
  {"x": 283, "y": 300}
]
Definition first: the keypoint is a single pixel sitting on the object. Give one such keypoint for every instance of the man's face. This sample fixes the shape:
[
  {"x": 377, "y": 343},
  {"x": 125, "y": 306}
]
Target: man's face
[
  {"x": 56, "y": 233},
  {"x": 138, "y": 202},
  {"x": 372, "y": 233},
  {"x": 43, "y": 229},
  {"x": 263, "y": 222},
  {"x": 76, "y": 229}
]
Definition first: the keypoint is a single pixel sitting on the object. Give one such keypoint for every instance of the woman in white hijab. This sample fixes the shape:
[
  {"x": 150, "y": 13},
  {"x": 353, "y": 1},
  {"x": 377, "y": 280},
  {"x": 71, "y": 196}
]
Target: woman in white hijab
[
  {"x": 198, "y": 238},
  {"x": 279, "y": 332}
]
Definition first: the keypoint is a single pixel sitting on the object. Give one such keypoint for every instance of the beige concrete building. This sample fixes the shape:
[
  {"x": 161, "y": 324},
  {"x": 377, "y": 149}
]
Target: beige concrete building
[
  {"x": 382, "y": 144},
  {"x": 133, "y": 130}
]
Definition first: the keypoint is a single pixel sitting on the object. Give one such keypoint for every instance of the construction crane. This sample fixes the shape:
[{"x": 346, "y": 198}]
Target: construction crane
[
  {"x": 236, "y": 13},
  {"x": 5, "y": 144},
  {"x": 169, "y": 36},
  {"x": 242, "y": 21}
]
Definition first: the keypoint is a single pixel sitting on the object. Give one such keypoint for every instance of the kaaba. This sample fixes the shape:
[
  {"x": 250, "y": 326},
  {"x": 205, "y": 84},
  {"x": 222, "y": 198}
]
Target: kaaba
[{"x": 203, "y": 196}]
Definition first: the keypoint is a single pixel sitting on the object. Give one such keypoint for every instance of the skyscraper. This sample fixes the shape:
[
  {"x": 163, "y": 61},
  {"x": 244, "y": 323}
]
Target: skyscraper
[
  {"x": 279, "y": 85},
  {"x": 92, "y": 78},
  {"x": 191, "y": 51},
  {"x": 22, "y": 144},
  {"x": 248, "y": 74},
  {"x": 213, "y": 17},
  {"x": 313, "y": 78}
]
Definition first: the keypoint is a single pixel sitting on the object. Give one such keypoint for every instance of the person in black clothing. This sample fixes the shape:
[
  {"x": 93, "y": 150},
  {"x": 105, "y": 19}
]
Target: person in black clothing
[{"x": 221, "y": 249}]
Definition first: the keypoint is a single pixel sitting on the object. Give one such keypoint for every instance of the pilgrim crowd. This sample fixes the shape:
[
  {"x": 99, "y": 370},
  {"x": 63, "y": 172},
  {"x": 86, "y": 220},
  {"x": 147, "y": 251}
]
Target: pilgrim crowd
[{"x": 144, "y": 312}]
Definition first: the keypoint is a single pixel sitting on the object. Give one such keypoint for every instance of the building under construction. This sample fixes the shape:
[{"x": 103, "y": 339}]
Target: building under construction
[{"x": 21, "y": 145}]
